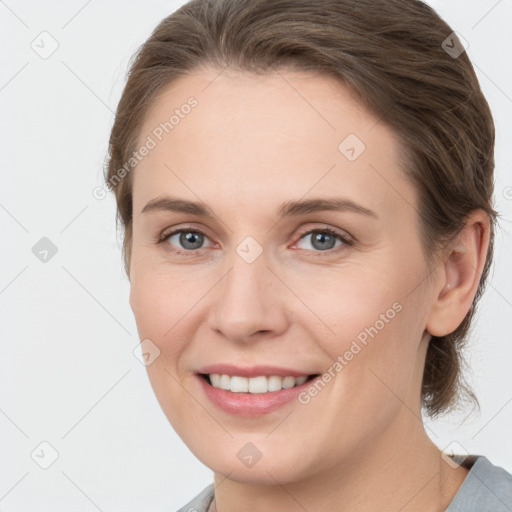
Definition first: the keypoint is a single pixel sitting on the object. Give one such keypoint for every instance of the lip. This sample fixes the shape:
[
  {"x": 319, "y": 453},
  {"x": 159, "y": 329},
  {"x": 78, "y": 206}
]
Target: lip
[
  {"x": 253, "y": 371},
  {"x": 250, "y": 405}
]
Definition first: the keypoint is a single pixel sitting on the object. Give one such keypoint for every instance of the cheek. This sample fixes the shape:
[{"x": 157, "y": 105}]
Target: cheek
[
  {"x": 147, "y": 299},
  {"x": 159, "y": 308},
  {"x": 374, "y": 330},
  {"x": 167, "y": 308},
  {"x": 160, "y": 301},
  {"x": 354, "y": 305}
]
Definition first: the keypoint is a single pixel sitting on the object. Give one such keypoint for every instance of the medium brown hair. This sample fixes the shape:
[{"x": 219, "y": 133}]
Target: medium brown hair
[{"x": 394, "y": 54}]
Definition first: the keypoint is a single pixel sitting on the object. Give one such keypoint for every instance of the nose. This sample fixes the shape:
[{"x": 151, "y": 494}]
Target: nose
[{"x": 249, "y": 302}]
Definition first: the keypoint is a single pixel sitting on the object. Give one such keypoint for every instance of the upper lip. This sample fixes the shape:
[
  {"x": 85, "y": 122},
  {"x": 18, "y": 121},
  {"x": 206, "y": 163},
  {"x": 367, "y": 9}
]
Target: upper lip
[{"x": 252, "y": 371}]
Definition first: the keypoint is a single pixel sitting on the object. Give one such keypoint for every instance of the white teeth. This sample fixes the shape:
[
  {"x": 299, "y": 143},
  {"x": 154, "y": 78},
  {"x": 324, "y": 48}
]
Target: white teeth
[
  {"x": 215, "y": 379},
  {"x": 261, "y": 384},
  {"x": 288, "y": 382},
  {"x": 239, "y": 385},
  {"x": 300, "y": 380},
  {"x": 256, "y": 384},
  {"x": 224, "y": 382},
  {"x": 275, "y": 383}
]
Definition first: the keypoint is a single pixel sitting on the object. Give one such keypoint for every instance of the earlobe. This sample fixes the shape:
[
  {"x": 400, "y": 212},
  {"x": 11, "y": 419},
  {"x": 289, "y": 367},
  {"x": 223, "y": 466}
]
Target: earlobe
[{"x": 459, "y": 276}]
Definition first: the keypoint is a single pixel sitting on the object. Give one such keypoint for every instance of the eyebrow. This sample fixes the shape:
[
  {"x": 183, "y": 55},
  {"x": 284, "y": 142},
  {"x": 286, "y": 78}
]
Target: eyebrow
[{"x": 287, "y": 209}]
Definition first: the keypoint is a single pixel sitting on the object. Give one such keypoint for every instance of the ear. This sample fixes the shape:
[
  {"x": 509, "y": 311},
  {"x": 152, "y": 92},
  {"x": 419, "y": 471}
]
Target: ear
[{"x": 460, "y": 275}]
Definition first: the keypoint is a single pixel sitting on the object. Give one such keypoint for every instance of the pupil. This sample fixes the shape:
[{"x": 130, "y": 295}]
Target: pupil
[
  {"x": 188, "y": 238},
  {"x": 321, "y": 237}
]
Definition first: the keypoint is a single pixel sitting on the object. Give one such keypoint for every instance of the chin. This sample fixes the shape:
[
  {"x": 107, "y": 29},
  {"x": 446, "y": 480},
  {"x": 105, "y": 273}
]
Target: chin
[{"x": 271, "y": 466}]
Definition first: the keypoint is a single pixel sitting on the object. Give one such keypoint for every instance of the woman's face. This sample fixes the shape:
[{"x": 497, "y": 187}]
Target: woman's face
[{"x": 258, "y": 281}]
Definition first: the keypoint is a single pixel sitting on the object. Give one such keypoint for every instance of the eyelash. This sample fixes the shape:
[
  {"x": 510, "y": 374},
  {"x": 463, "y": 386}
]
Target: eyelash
[{"x": 346, "y": 241}]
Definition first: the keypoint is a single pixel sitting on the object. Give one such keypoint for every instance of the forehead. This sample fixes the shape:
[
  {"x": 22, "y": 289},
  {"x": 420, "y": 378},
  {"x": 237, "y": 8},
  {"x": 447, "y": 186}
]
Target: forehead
[{"x": 266, "y": 135}]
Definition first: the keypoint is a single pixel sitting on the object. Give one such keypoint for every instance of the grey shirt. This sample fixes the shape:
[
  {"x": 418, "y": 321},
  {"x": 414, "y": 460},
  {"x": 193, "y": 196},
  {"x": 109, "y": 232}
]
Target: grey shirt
[{"x": 486, "y": 488}]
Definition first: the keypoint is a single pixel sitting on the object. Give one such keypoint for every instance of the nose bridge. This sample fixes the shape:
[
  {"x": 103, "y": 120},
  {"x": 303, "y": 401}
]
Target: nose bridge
[
  {"x": 247, "y": 301},
  {"x": 247, "y": 282}
]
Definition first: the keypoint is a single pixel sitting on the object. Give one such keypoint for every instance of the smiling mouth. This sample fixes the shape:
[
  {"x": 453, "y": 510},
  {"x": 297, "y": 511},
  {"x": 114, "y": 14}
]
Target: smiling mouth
[{"x": 255, "y": 385}]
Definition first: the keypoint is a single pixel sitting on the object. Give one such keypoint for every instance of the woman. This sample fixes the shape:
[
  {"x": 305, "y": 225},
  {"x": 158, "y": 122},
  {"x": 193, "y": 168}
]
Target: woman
[{"x": 306, "y": 194}]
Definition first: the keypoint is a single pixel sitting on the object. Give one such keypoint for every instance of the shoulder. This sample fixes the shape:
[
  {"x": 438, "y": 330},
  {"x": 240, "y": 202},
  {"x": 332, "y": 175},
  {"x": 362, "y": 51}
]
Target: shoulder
[
  {"x": 487, "y": 488},
  {"x": 201, "y": 502}
]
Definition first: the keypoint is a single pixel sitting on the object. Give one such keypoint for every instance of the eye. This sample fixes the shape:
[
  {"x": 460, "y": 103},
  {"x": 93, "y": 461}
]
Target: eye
[
  {"x": 188, "y": 241},
  {"x": 324, "y": 239},
  {"x": 191, "y": 240}
]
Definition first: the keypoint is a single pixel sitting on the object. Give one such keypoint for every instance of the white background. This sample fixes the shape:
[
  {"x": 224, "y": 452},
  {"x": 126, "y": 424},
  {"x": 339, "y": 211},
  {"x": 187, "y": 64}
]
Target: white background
[{"x": 68, "y": 374}]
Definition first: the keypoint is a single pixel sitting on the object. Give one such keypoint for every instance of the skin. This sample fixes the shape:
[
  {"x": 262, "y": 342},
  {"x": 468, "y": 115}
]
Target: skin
[{"x": 251, "y": 144}]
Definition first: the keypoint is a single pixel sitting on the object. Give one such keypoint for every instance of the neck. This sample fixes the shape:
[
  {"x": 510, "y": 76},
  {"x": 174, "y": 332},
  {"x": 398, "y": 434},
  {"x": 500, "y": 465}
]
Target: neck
[{"x": 401, "y": 470}]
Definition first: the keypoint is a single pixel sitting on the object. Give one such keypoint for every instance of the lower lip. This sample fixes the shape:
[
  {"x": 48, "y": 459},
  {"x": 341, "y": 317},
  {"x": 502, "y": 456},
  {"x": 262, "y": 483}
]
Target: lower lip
[{"x": 252, "y": 404}]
